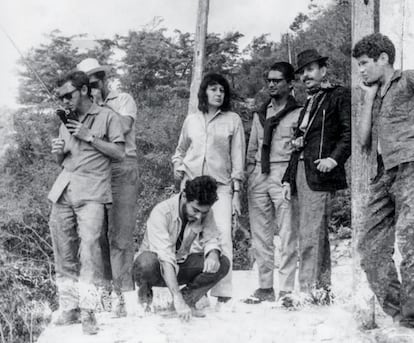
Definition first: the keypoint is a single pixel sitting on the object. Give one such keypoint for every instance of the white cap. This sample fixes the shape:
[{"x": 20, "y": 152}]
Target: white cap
[{"x": 91, "y": 66}]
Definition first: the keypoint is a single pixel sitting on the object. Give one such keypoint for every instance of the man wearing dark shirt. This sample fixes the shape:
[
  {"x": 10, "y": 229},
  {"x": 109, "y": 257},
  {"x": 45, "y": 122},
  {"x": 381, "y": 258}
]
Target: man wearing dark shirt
[{"x": 387, "y": 129}]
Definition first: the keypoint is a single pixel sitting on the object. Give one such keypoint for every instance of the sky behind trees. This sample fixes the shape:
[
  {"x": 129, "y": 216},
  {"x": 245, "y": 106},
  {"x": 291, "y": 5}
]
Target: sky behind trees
[{"x": 27, "y": 21}]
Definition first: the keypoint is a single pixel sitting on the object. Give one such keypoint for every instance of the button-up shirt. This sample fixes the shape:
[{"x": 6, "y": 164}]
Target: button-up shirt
[
  {"x": 86, "y": 171},
  {"x": 124, "y": 105},
  {"x": 281, "y": 147},
  {"x": 216, "y": 147},
  {"x": 163, "y": 229},
  {"x": 394, "y": 111}
]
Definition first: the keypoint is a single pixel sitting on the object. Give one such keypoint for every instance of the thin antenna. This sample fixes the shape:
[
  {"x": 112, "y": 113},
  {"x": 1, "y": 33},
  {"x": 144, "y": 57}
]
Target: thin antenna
[
  {"x": 403, "y": 34},
  {"x": 51, "y": 96}
]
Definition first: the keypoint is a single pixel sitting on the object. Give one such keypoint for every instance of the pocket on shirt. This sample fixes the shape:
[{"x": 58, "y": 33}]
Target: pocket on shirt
[{"x": 285, "y": 131}]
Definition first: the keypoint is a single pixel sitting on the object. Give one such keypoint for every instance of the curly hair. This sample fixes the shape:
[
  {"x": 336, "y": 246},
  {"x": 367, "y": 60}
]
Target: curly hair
[
  {"x": 286, "y": 69},
  {"x": 77, "y": 78},
  {"x": 373, "y": 45},
  {"x": 203, "y": 189},
  {"x": 211, "y": 80}
]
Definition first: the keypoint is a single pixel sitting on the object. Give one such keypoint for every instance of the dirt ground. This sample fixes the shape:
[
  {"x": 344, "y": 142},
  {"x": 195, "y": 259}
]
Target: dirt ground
[{"x": 237, "y": 322}]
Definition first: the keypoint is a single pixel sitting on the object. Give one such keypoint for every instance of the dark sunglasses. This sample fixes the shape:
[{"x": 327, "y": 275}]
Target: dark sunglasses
[
  {"x": 67, "y": 96},
  {"x": 94, "y": 85},
  {"x": 275, "y": 81}
]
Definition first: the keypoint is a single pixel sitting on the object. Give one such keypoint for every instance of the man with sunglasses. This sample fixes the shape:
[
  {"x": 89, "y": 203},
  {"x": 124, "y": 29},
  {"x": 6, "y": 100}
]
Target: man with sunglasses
[
  {"x": 80, "y": 195},
  {"x": 118, "y": 247},
  {"x": 268, "y": 155},
  {"x": 322, "y": 143}
]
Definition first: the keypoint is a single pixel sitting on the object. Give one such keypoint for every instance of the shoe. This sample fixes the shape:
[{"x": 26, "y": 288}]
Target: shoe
[
  {"x": 286, "y": 300},
  {"x": 261, "y": 294},
  {"x": 145, "y": 295},
  {"x": 407, "y": 322},
  {"x": 106, "y": 299},
  {"x": 197, "y": 313},
  {"x": 67, "y": 317},
  {"x": 223, "y": 299},
  {"x": 120, "y": 308},
  {"x": 202, "y": 303},
  {"x": 89, "y": 323}
]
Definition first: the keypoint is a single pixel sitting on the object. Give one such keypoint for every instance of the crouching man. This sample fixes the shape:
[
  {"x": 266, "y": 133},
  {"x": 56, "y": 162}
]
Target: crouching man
[{"x": 165, "y": 257}]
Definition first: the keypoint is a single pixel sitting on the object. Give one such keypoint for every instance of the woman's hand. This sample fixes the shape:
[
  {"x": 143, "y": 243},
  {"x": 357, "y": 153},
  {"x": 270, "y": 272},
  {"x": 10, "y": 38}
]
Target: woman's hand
[{"x": 236, "y": 203}]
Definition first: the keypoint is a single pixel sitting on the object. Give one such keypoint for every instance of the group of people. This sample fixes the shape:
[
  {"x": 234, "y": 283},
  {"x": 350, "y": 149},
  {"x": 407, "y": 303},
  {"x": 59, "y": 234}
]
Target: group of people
[{"x": 294, "y": 163}]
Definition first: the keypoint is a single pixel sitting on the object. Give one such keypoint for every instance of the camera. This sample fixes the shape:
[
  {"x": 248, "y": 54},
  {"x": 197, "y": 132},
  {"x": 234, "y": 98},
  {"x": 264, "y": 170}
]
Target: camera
[
  {"x": 64, "y": 115},
  {"x": 298, "y": 143}
]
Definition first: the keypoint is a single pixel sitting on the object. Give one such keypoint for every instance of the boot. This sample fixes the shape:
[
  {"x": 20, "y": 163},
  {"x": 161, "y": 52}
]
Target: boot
[
  {"x": 89, "y": 324},
  {"x": 120, "y": 308}
]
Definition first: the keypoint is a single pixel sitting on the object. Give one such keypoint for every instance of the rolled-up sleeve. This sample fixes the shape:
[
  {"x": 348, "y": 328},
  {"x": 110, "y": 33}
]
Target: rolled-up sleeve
[
  {"x": 238, "y": 150},
  {"x": 253, "y": 142},
  {"x": 210, "y": 238},
  {"x": 158, "y": 237}
]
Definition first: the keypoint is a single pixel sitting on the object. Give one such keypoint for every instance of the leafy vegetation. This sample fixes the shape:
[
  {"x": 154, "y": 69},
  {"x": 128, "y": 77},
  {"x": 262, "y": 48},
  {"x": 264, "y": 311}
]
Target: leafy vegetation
[{"x": 156, "y": 70}]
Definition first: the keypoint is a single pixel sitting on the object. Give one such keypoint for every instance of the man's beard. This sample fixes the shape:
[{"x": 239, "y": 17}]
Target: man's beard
[{"x": 276, "y": 96}]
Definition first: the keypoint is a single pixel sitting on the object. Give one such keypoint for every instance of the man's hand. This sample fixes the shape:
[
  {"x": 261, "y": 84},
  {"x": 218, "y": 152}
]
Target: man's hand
[
  {"x": 182, "y": 309},
  {"x": 325, "y": 165},
  {"x": 369, "y": 90},
  {"x": 79, "y": 130},
  {"x": 57, "y": 146},
  {"x": 211, "y": 262},
  {"x": 286, "y": 191},
  {"x": 236, "y": 203}
]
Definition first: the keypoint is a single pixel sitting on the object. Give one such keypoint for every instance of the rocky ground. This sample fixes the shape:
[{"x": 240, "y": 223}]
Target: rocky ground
[{"x": 239, "y": 322}]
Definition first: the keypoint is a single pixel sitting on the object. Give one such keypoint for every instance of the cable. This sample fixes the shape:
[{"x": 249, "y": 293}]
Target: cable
[{"x": 51, "y": 96}]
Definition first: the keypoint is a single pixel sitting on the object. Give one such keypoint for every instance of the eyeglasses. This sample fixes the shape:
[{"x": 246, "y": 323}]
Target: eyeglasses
[
  {"x": 94, "y": 85},
  {"x": 275, "y": 81},
  {"x": 67, "y": 96}
]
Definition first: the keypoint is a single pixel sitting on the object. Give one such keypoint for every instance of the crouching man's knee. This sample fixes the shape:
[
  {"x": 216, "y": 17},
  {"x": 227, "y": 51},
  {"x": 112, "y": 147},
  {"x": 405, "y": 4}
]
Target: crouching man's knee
[
  {"x": 146, "y": 268},
  {"x": 224, "y": 267}
]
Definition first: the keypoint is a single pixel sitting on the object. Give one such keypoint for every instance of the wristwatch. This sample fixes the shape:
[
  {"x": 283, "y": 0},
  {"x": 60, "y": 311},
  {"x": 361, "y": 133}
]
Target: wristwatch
[{"x": 91, "y": 139}]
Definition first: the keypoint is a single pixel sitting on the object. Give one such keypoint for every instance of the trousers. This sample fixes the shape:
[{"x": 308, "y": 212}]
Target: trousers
[
  {"x": 76, "y": 231},
  {"x": 269, "y": 214},
  {"x": 118, "y": 241},
  {"x": 147, "y": 274},
  {"x": 390, "y": 216},
  {"x": 314, "y": 248}
]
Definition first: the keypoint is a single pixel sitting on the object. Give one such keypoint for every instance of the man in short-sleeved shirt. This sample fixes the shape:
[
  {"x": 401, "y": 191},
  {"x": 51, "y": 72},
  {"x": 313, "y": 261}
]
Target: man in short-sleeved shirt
[
  {"x": 85, "y": 148},
  {"x": 387, "y": 128},
  {"x": 166, "y": 256},
  {"x": 118, "y": 247}
]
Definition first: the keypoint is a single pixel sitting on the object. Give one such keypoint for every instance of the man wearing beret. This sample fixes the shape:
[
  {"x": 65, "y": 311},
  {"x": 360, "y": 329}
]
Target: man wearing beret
[{"x": 316, "y": 169}]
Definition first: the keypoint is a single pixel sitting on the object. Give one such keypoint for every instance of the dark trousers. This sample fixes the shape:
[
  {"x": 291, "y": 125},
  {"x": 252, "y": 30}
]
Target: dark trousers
[
  {"x": 390, "y": 215},
  {"x": 147, "y": 273},
  {"x": 118, "y": 240}
]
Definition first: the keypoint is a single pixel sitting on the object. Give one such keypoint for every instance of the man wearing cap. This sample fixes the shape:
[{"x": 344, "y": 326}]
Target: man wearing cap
[
  {"x": 268, "y": 155},
  {"x": 118, "y": 247},
  {"x": 316, "y": 169},
  {"x": 80, "y": 194}
]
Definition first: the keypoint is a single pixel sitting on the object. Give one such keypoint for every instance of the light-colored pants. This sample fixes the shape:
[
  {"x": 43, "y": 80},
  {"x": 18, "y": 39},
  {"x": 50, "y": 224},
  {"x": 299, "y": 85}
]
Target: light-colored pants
[
  {"x": 222, "y": 210},
  {"x": 314, "y": 247},
  {"x": 268, "y": 212},
  {"x": 76, "y": 231}
]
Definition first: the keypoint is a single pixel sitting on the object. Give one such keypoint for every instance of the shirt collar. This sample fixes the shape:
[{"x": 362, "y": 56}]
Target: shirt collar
[
  {"x": 94, "y": 109},
  {"x": 112, "y": 95},
  {"x": 397, "y": 74}
]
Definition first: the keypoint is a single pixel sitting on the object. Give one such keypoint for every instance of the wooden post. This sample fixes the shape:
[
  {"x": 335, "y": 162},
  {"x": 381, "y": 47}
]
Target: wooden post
[
  {"x": 364, "y": 22},
  {"x": 199, "y": 53}
]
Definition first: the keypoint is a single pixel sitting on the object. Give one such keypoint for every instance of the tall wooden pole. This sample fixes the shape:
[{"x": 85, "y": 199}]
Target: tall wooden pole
[
  {"x": 365, "y": 20},
  {"x": 199, "y": 52}
]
